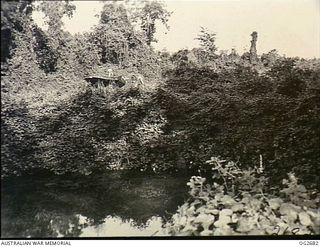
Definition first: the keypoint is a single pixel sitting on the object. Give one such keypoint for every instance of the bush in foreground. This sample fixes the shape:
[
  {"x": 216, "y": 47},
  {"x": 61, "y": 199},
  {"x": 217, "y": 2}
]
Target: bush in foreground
[{"x": 241, "y": 202}]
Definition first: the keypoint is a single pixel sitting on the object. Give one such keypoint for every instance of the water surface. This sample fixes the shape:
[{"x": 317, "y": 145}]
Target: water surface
[{"x": 114, "y": 203}]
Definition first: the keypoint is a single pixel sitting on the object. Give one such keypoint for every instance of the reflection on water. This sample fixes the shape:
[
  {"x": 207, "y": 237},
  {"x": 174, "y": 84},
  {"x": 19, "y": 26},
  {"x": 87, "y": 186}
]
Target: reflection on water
[
  {"x": 115, "y": 227},
  {"x": 101, "y": 205}
]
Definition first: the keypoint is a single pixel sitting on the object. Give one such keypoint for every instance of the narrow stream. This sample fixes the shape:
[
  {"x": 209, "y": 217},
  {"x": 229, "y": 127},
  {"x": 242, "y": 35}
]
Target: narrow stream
[{"x": 115, "y": 203}]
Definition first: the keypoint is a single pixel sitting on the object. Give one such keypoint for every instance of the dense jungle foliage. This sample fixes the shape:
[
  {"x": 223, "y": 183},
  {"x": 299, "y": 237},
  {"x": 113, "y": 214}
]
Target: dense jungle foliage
[{"x": 256, "y": 110}]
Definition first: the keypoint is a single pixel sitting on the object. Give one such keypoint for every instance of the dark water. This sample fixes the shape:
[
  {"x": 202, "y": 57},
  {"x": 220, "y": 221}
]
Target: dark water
[{"x": 101, "y": 205}]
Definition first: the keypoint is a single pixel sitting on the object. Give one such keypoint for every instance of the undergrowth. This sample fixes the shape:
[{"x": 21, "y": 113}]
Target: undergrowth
[{"x": 242, "y": 202}]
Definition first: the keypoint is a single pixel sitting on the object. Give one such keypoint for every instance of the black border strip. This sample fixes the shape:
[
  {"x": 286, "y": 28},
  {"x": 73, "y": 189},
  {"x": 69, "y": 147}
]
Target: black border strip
[{"x": 260, "y": 237}]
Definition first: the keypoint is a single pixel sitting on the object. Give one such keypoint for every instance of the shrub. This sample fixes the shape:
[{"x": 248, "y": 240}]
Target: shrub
[{"x": 245, "y": 204}]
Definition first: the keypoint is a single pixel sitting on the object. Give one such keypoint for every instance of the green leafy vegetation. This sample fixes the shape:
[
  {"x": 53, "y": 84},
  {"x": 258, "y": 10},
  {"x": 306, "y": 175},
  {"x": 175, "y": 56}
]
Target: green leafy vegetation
[
  {"x": 241, "y": 114},
  {"x": 244, "y": 203},
  {"x": 46, "y": 104}
]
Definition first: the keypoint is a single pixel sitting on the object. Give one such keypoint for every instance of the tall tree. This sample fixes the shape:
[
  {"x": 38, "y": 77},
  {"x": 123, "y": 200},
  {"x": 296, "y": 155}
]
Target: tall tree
[
  {"x": 207, "y": 52},
  {"x": 253, "y": 48},
  {"x": 54, "y": 11},
  {"x": 55, "y": 38},
  {"x": 113, "y": 33},
  {"x": 150, "y": 13},
  {"x": 207, "y": 40},
  {"x": 15, "y": 19}
]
